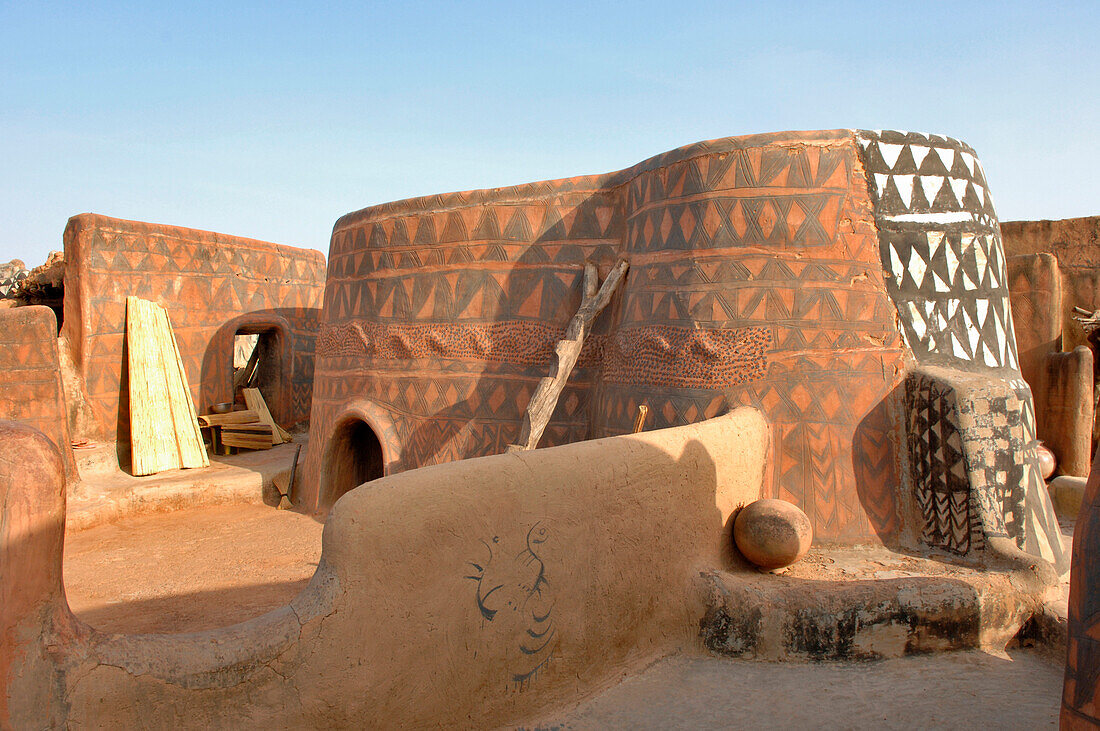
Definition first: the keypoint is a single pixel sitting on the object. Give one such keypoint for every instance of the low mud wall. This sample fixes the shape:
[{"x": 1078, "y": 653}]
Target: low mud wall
[{"x": 477, "y": 593}]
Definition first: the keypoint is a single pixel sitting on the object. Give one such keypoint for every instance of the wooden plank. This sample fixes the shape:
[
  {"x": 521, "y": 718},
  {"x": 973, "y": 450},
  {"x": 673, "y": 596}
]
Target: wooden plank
[
  {"x": 255, "y": 401},
  {"x": 164, "y": 429},
  {"x": 247, "y": 439},
  {"x": 254, "y": 428},
  {"x": 233, "y": 417}
]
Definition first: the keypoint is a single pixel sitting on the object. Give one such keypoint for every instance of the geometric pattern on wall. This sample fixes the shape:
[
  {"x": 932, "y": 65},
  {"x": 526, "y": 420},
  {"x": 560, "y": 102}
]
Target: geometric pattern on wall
[
  {"x": 974, "y": 462},
  {"x": 941, "y": 483},
  {"x": 655, "y": 355},
  {"x": 204, "y": 280},
  {"x": 940, "y": 243},
  {"x": 952, "y": 293},
  {"x": 31, "y": 390},
  {"x": 754, "y": 278}
]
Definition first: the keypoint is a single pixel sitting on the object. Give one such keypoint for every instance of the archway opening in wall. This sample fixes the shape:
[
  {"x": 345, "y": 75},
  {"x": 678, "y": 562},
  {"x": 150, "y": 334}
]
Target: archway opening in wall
[
  {"x": 257, "y": 363},
  {"x": 354, "y": 456}
]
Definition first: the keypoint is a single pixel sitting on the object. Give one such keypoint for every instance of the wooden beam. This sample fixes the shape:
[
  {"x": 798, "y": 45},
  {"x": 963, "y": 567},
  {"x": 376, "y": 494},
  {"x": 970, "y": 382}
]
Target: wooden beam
[{"x": 566, "y": 352}]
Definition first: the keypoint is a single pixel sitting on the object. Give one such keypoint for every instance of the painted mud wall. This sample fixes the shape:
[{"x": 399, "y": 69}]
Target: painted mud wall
[
  {"x": 527, "y": 584},
  {"x": 211, "y": 284},
  {"x": 970, "y": 415},
  {"x": 755, "y": 280},
  {"x": 31, "y": 390}
]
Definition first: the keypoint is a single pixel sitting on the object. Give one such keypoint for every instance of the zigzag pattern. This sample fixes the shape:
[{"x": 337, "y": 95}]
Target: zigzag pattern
[{"x": 940, "y": 476}]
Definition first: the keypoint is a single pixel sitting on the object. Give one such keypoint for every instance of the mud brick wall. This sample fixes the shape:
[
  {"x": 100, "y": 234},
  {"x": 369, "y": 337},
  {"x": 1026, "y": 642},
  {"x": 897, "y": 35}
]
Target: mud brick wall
[
  {"x": 31, "y": 390},
  {"x": 1075, "y": 243},
  {"x": 754, "y": 280},
  {"x": 211, "y": 284},
  {"x": 441, "y": 315}
]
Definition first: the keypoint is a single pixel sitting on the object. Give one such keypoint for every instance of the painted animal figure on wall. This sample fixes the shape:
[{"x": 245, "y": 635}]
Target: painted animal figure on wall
[{"x": 517, "y": 585}]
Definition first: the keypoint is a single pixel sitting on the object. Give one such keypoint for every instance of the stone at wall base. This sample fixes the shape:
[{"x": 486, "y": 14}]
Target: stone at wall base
[{"x": 1066, "y": 492}]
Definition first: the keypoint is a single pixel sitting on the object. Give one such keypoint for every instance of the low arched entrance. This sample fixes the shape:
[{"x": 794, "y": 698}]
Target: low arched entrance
[{"x": 354, "y": 456}]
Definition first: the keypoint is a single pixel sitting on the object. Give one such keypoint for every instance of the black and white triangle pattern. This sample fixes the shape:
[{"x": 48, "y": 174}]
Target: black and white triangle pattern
[
  {"x": 951, "y": 291},
  {"x": 918, "y": 178}
]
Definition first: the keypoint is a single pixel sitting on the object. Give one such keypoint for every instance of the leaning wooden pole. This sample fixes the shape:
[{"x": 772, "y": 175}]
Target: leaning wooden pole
[{"x": 566, "y": 353}]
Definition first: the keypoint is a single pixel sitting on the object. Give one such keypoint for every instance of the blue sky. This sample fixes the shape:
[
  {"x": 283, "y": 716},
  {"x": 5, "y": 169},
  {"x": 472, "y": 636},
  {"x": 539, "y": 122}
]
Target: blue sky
[{"x": 271, "y": 122}]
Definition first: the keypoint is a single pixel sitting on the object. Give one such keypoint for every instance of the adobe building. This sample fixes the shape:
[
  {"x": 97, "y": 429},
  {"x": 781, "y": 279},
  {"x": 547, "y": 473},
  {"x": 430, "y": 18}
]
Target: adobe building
[
  {"x": 850, "y": 285},
  {"x": 215, "y": 287},
  {"x": 821, "y": 317}
]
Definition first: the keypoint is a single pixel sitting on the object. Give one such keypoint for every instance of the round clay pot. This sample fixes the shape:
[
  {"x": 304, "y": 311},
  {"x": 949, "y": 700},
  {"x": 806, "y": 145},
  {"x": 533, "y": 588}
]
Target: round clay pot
[
  {"x": 1047, "y": 461},
  {"x": 772, "y": 533}
]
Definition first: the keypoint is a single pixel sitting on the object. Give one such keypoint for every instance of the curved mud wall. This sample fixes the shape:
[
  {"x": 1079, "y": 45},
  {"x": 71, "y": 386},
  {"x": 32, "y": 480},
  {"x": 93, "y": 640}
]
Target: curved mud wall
[
  {"x": 31, "y": 389},
  {"x": 754, "y": 280},
  {"x": 477, "y": 593},
  {"x": 206, "y": 281}
]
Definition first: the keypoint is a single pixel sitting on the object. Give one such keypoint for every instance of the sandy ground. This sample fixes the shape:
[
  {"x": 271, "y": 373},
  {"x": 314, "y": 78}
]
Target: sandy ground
[
  {"x": 191, "y": 569},
  {"x": 956, "y": 690}
]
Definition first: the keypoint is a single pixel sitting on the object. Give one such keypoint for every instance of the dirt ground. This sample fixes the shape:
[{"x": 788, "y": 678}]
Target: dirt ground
[
  {"x": 188, "y": 570},
  {"x": 955, "y": 690},
  {"x": 207, "y": 567}
]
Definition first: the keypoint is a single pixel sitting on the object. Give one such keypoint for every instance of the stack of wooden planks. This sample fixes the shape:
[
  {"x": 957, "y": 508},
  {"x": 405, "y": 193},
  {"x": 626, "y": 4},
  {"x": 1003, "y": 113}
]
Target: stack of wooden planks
[
  {"x": 253, "y": 428},
  {"x": 247, "y": 436},
  {"x": 164, "y": 433}
]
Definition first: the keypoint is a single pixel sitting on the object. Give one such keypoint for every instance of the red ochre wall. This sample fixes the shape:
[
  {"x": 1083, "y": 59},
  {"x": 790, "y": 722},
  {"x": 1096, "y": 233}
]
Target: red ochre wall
[
  {"x": 754, "y": 279},
  {"x": 31, "y": 390},
  {"x": 210, "y": 284}
]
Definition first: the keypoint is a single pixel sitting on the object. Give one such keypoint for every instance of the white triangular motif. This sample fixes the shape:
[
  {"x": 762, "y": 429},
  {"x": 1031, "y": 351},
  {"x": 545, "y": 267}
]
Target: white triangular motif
[
  {"x": 981, "y": 308},
  {"x": 896, "y": 267},
  {"x": 947, "y": 157},
  {"x": 958, "y": 349},
  {"x": 864, "y": 141},
  {"x": 958, "y": 186},
  {"x": 980, "y": 192},
  {"x": 968, "y": 160},
  {"x": 890, "y": 153},
  {"x": 917, "y": 321},
  {"x": 952, "y": 261},
  {"x": 1002, "y": 342},
  {"x": 935, "y": 241},
  {"x": 971, "y": 331},
  {"x": 980, "y": 256},
  {"x": 917, "y": 266},
  {"x": 919, "y": 153},
  {"x": 952, "y": 308},
  {"x": 990, "y": 359},
  {"x": 904, "y": 184},
  {"x": 880, "y": 182},
  {"x": 939, "y": 284},
  {"x": 931, "y": 185}
]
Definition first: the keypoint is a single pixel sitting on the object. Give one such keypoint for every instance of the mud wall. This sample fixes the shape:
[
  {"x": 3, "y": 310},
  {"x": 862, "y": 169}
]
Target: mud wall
[
  {"x": 31, "y": 390},
  {"x": 442, "y": 313},
  {"x": 210, "y": 284},
  {"x": 527, "y": 584},
  {"x": 1075, "y": 243},
  {"x": 754, "y": 280}
]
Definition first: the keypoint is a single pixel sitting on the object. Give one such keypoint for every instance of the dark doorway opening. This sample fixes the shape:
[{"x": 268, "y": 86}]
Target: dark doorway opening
[
  {"x": 257, "y": 363},
  {"x": 354, "y": 457}
]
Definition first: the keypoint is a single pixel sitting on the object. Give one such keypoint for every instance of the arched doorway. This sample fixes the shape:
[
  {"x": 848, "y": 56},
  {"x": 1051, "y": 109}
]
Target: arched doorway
[{"x": 354, "y": 456}]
